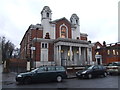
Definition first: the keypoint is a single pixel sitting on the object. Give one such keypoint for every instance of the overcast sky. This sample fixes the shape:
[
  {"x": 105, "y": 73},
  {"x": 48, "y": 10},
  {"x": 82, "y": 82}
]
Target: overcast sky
[{"x": 98, "y": 18}]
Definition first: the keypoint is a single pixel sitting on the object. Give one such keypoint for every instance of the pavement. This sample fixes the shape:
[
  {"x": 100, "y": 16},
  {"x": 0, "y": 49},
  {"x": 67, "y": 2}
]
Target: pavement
[
  {"x": 8, "y": 78},
  {"x": 71, "y": 75},
  {"x": 0, "y": 76}
]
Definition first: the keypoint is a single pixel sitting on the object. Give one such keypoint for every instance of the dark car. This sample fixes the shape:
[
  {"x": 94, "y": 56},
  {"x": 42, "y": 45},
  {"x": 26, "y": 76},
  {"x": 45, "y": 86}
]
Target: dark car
[
  {"x": 43, "y": 73},
  {"x": 113, "y": 68},
  {"x": 92, "y": 71}
]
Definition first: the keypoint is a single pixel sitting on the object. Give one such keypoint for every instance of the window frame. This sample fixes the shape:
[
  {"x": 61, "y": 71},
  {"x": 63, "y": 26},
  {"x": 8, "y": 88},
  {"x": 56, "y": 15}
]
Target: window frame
[
  {"x": 66, "y": 30},
  {"x": 44, "y": 45}
]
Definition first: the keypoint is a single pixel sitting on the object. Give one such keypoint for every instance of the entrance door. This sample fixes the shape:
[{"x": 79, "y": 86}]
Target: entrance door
[
  {"x": 98, "y": 61},
  {"x": 44, "y": 56}
]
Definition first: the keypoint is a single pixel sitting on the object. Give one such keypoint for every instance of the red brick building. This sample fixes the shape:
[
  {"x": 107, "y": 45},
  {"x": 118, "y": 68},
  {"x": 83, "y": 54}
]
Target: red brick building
[
  {"x": 104, "y": 54},
  {"x": 57, "y": 42}
]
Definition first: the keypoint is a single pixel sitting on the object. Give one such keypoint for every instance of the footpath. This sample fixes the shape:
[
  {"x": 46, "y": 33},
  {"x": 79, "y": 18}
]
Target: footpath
[{"x": 0, "y": 76}]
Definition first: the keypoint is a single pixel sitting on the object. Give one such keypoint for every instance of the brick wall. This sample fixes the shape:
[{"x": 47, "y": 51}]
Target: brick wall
[
  {"x": 26, "y": 42},
  {"x": 37, "y": 51},
  {"x": 51, "y": 52},
  {"x": 58, "y": 28},
  {"x": 83, "y": 38},
  {"x": 103, "y": 51}
]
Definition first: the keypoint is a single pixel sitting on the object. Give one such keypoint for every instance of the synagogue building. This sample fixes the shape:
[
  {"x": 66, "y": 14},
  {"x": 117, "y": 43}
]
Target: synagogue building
[{"x": 56, "y": 42}]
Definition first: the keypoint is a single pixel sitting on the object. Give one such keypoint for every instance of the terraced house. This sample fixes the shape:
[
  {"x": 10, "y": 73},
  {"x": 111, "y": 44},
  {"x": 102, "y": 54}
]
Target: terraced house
[
  {"x": 106, "y": 53},
  {"x": 56, "y": 42}
]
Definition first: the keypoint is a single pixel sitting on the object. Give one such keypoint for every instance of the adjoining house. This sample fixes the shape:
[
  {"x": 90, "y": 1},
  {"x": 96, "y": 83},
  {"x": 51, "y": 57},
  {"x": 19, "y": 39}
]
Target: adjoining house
[
  {"x": 105, "y": 53},
  {"x": 0, "y": 53},
  {"x": 57, "y": 42}
]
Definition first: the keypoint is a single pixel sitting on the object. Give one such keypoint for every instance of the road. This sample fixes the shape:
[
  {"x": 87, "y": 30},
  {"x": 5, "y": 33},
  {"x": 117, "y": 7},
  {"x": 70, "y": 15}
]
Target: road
[
  {"x": 0, "y": 76},
  {"x": 100, "y": 82}
]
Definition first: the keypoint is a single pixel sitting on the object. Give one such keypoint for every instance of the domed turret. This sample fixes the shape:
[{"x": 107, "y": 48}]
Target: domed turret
[
  {"x": 74, "y": 19},
  {"x": 46, "y": 13}
]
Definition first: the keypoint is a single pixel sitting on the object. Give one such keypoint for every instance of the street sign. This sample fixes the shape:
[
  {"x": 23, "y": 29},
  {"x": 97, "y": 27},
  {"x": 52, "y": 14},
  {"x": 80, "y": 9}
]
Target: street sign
[
  {"x": 98, "y": 56},
  {"x": 32, "y": 48}
]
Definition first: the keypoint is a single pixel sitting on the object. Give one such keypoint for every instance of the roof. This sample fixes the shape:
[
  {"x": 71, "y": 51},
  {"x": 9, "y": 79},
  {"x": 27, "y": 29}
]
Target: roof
[
  {"x": 47, "y": 9},
  {"x": 30, "y": 28},
  {"x": 83, "y": 34},
  {"x": 63, "y": 18}
]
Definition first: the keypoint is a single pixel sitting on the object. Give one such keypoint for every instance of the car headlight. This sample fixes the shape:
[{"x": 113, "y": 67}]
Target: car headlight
[
  {"x": 84, "y": 72},
  {"x": 19, "y": 76}
]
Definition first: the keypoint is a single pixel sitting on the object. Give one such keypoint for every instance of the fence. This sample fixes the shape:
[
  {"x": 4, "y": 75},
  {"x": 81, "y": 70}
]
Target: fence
[{"x": 17, "y": 65}]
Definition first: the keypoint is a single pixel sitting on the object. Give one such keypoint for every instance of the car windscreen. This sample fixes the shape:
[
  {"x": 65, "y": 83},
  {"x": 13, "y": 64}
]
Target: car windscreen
[
  {"x": 35, "y": 70},
  {"x": 86, "y": 67},
  {"x": 116, "y": 64},
  {"x": 90, "y": 67}
]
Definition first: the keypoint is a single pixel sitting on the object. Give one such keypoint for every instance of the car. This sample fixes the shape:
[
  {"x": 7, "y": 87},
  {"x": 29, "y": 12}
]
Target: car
[
  {"x": 113, "y": 68},
  {"x": 92, "y": 71},
  {"x": 43, "y": 73}
]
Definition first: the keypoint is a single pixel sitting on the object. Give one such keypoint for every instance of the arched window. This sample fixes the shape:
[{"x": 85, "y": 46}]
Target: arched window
[
  {"x": 108, "y": 52},
  {"x": 47, "y": 14},
  {"x": 63, "y": 32}
]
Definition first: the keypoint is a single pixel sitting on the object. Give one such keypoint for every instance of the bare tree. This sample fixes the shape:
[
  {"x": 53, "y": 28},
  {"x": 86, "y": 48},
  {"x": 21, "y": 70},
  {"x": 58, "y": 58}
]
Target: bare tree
[{"x": 7, "y": 50}]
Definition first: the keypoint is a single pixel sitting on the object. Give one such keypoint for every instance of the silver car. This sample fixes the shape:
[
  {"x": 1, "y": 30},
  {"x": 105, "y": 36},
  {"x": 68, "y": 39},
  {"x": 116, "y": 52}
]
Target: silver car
[{"x": 113, "y": 68}]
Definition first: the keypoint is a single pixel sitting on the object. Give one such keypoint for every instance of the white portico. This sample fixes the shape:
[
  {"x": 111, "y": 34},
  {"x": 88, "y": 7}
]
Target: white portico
[{"x": 72, "y": 52}]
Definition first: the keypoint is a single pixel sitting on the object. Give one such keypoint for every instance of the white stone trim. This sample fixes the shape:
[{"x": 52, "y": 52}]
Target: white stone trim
[
  {"x": 59, "y": 53},
  {"x": 66, "y": 30},
  {"x": 71, "y": 44}
]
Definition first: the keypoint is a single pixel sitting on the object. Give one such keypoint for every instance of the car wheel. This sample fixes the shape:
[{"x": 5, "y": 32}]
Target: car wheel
[
  {"x": 108, "y": 73},
  {"x": 27, "y": 80},
  {"x": 59, "y": 78},
  {"x": 105, "y": 74},
  {"x": 89, "y": 76}
]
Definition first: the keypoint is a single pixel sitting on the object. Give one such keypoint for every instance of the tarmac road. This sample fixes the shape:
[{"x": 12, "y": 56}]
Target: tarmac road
[{"x": 100, "y": 82}]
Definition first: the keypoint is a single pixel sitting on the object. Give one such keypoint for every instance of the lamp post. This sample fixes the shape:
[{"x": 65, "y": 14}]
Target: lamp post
[{"x": 32, "y": 49}]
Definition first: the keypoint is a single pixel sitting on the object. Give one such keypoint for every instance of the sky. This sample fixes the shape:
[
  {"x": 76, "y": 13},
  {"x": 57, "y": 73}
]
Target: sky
[{"x": 98, "y": 18}]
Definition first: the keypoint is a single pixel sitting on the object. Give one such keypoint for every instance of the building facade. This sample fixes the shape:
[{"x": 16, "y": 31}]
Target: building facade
[
  {"x": 105, "y": 53},
  {"x": 57, "y": 42}
]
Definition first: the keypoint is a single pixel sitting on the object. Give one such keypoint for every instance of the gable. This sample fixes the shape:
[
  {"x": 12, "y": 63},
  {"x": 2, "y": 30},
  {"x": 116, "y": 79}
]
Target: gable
[
  {"x": 63, "y": 22},
  {"x": 61, "y": 19}
]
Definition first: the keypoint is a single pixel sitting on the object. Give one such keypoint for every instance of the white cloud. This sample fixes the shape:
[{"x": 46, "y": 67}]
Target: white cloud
[{"x": 98, "y": 18}]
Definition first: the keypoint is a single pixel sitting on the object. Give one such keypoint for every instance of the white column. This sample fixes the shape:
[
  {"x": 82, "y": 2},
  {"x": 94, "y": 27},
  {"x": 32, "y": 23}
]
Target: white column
[
  {"x": 28, "y": 65},
  {"x": 96, "y": 61},
  {"x": 79, "y": 61},
  {"x": 55, "y": 54},
  {"x": 59, "y": 55},
  {"x": 88, "y": 56},
  {"x": 84, "y": 56},
  {"x": 70, "y": 53},
  {"x": 101, "y": 61}
]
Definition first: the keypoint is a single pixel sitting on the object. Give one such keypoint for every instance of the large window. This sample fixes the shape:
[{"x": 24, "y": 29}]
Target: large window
[
  {"x": 113, "y": 52},
  {"x": 108, "y": 52},
  {"x": 63, "y": 32},
  {"x": 47, "y": 14}
]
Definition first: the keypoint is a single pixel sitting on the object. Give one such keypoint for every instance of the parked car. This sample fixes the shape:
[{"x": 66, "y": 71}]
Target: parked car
[
  {"x": 92, "y": 71},
  {"x": 113, "y": 68},
  {"x": 43, "y": 73}
]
